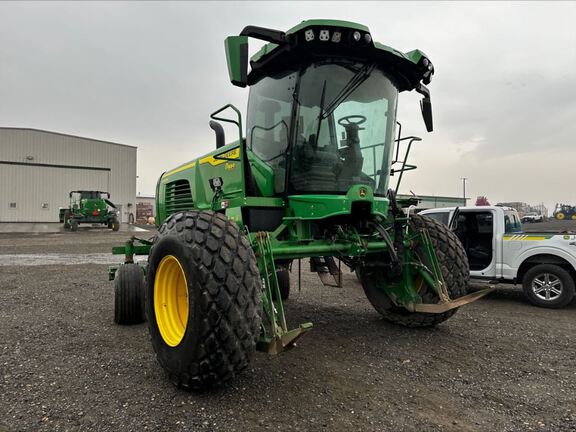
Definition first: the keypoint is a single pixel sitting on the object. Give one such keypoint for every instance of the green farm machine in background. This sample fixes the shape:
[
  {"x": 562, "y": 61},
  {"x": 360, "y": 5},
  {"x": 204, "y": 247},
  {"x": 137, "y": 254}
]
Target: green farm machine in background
[
  {"x": 93, "y": 207},
  {"x": 310, "y": 179}
]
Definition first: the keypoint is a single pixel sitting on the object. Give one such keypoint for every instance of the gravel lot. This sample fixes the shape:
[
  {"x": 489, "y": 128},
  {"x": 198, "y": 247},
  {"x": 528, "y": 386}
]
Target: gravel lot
[{"x": 500, "y": 364}]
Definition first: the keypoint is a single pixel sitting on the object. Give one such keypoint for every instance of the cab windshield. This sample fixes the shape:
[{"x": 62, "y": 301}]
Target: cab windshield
[
  {"x": 89, "y": 195},
  {"x": 325, "y": 128}
]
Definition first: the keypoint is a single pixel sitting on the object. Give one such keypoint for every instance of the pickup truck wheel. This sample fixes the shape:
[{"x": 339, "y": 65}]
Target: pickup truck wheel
[
  {"x": 455, "y": 271},
  {"x": 203, "y": 299},
  {"x": 548, "y": 285}
]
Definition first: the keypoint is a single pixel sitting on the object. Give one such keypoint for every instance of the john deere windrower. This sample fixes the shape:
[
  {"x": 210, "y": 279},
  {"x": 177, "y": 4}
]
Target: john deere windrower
[
  {"x": 310, "y": 179},
  {"x": 92, "y": 207}
]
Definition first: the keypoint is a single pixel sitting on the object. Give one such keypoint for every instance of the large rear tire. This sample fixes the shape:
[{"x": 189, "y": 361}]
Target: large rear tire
[
  {"x": 455, "y": 271},
  {"x": 203, "y": 299},
  {"x": 129, "y": 290}
]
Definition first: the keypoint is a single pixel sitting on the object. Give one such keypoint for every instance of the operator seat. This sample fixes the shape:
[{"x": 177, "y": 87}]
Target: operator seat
[
  {"x": 314, "y": 169},
  {"x": 353, "y": 160}
]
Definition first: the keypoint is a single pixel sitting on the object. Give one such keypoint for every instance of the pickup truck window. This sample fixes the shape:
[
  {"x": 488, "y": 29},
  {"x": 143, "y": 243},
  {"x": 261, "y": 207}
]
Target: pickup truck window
[
  {"x": 484, "y": 221},
  {"x": 441, "y": 217},
  {"x": 511, "y": 222}
]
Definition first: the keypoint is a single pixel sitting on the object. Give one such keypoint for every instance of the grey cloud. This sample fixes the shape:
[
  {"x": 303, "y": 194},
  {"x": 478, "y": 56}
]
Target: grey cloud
[{"x": 149, "y": 74}]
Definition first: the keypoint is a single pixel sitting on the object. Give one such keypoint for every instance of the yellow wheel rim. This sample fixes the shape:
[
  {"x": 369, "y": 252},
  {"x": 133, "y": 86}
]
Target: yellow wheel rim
[
  {"x": 171, "y": 300},
  {"x": 574, "y": 217},
  {"x": 560, "y": 216}
]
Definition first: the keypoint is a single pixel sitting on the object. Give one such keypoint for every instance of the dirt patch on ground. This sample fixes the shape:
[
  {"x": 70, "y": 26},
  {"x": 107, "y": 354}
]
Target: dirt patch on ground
[{"x": 499, "y": 364}]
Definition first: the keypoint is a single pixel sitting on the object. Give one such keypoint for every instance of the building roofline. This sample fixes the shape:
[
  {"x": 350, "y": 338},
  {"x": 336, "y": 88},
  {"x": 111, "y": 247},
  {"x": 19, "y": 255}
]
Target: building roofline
[
  {"x": 490, "y": 207},
  {"x": 66, "y": 135},
  {"x": 436, "y": 197}
]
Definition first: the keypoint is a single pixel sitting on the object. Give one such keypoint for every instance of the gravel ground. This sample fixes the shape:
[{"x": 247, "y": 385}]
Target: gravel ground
[
  {"x": 552, "y": 225},
  {"x": 499, "y": 364}
]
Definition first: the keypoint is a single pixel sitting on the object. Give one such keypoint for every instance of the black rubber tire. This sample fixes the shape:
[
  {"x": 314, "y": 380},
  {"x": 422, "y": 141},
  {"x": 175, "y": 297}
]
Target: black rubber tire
[
  {"x": 66, "y": 219},
  {"x": 567, "y": 286},
  {"x": 224, "y": 299},
  {"x": 74, "y": 225},
  {"x": 129, "y": 291},
  {"x": 455, "y": 271},
  {"x": 283, "y": 276},
  {"x": 115, "y": 224}
]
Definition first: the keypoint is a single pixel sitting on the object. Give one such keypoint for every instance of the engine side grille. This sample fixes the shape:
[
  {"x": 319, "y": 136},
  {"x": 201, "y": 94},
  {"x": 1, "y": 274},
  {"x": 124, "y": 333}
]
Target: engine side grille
[{"x": 178, "y": 197}]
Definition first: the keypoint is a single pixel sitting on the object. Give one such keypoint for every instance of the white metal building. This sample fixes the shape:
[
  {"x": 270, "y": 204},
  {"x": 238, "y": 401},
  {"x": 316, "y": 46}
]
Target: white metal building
[
  {"x": 432, "y": 201},
  {"x": 39, "y": 168}
]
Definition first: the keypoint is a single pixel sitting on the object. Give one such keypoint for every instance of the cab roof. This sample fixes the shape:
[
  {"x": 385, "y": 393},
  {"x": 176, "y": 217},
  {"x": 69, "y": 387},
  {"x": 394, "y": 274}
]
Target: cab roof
[{"x": 320, "y": 39}]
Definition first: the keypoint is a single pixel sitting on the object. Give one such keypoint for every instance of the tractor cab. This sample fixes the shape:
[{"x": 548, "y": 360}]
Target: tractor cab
[
  {"x": 332, "y": 130},
  {"x": 84, "y": 195},
  {"x": 322, "y": 107},
  {"x": 90, "y": 202}
]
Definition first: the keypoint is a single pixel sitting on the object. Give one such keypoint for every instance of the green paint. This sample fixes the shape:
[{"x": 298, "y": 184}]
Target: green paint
[
  {"x": 236, "y": 52},
  {"x": 323, "y": 206}
]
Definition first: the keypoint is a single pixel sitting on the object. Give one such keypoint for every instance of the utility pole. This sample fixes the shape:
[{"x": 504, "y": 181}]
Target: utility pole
[{"x": 464, "y": 189}]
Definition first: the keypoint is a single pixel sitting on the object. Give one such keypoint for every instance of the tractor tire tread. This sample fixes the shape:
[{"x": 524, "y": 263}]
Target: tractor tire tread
[
  {"x": 454, "y": 266},
  {"x": 66, "y": 219},
  {"x": 129, "y": 295},
  {"x": 229, "y": 291}
]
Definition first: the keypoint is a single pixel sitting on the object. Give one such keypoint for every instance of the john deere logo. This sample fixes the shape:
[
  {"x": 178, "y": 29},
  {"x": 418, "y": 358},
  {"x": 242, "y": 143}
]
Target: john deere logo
[{"x": 362, "y": 192}]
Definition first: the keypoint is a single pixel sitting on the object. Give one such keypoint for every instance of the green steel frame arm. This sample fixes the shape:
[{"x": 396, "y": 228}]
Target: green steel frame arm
[
  {"x": 133, "y": 246},
  {"x": 277, "y": 337}
]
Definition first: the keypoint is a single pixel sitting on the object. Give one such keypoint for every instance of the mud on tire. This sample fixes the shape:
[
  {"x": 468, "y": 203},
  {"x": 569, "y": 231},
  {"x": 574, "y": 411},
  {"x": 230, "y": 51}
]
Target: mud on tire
[
  {"x": 224, "y": 292},
  {"x": 453, "y": 263}
]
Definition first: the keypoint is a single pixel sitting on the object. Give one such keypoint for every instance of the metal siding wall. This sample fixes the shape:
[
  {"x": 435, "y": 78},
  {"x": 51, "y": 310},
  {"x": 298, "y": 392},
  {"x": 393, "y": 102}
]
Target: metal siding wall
[
  {"x": 44, "y": 185},
  {"x": 31, "y": 184}
]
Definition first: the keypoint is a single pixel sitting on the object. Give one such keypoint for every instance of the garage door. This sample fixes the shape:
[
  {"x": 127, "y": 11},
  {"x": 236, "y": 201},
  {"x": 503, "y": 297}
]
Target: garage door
[{"x": 34, "y": 193}]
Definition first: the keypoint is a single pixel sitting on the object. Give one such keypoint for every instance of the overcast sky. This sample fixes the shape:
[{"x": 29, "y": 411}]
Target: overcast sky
[{"x": 149, "y": 74}]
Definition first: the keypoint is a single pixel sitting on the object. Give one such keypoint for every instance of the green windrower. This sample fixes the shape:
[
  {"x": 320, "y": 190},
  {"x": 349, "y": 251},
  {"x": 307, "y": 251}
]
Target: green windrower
[{"x": 309, "y": 177}]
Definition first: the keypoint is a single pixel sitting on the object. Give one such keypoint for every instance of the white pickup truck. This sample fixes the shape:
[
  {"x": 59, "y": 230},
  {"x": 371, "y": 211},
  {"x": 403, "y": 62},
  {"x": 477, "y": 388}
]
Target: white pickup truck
[
  {"x": 497, "y": 249},
  {"x": 533, "y": 218}
]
